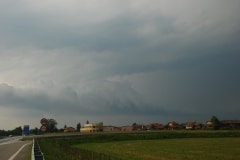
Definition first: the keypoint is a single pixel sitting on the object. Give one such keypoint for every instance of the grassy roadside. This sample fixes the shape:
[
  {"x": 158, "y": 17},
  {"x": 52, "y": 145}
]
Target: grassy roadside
[
  {"x": 62, "y": 147},
  {"x": 168, "y": 149}
]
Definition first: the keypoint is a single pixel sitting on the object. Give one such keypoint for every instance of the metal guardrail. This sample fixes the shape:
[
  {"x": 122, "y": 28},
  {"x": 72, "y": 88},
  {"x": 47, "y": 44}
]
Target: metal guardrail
[{"x": 36, "y": 151}]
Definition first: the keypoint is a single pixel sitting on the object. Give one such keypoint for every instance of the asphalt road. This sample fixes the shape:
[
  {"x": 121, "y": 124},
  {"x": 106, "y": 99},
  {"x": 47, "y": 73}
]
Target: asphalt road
[{"x": 12, "y": 148}]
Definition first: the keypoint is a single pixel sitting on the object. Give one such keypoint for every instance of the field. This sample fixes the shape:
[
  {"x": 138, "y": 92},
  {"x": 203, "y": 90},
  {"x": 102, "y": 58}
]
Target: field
[
  {"x": 166, "y": 145},
  {"x": 177, "y": 149}
]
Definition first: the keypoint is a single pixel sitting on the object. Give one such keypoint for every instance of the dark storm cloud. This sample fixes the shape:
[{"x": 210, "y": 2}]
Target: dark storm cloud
[{"x": 202, "y": 85}]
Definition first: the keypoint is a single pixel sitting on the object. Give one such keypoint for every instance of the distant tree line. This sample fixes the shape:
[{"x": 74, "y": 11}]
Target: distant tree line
[{"x": 15, "y": 132}]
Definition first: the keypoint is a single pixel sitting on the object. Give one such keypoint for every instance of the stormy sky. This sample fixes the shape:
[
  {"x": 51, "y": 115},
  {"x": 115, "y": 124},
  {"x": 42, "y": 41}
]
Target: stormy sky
[{"x": 118, "y": 61}]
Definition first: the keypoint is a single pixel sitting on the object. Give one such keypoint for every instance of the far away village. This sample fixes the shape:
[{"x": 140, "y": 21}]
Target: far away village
[{"x": 50, "y": 125}]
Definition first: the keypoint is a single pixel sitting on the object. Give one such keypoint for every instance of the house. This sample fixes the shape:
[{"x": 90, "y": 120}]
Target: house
[
  {"x": 173, "y": 125},
  {"x": 138, "y": 127},
  {"x": 193, "y": 125},
  {"x": 69, "y": 129},
  {"x": 230, "y": 124},
  {"x": 92, "y": 127},
  {"x": 111, "y": 129},
  {"x": 155, "y": 126},
  {"x": 209, "y": 124}
]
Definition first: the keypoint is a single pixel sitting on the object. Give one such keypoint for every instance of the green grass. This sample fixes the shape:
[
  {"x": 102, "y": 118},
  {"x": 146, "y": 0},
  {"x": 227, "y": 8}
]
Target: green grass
[
  {"x": 143, "y": 145},
  {"x": 168, "y": 149}
]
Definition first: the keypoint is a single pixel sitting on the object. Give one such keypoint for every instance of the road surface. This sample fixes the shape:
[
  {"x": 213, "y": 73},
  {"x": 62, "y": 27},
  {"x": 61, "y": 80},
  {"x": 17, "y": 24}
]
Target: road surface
[{"x": 12, "y": 148}]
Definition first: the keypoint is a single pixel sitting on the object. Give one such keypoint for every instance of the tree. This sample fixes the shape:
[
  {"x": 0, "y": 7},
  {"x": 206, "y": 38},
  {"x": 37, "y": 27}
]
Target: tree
[
  {"x": 78, "y": 127},
  {"x": 52, "y": 125},
  {"x": 61, "y": 130},
  {"x": 34, "y": 131},
  {"x": 17, "y": 131},
  {"x": 134, "y": 126},
  {"x": 215, "y": 122}
]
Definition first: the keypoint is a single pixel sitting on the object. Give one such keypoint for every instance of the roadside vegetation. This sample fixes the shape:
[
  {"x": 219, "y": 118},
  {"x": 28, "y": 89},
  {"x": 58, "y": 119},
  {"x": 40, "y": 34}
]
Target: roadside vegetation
[
  {"x": 144, "y": 145},
  {"x": 15, "y": 132},
  {"x": 177, "y": 149}
]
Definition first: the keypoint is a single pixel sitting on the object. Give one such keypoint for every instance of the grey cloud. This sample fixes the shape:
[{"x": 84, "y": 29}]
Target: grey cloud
[
  {"x": 121, "y": 58},
  {"x": 202, "y": 85}
]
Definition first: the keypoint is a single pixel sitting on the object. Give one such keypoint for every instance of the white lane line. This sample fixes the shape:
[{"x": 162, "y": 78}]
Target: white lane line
[{"x": 15, "y": 154}]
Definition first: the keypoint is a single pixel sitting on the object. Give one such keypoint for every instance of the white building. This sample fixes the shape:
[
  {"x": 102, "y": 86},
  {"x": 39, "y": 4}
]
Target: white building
[{"x": 92, "y": 127}]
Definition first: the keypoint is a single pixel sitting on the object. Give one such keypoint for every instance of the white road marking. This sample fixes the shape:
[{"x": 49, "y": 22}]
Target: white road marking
[{"x": 15, "y": 154}]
